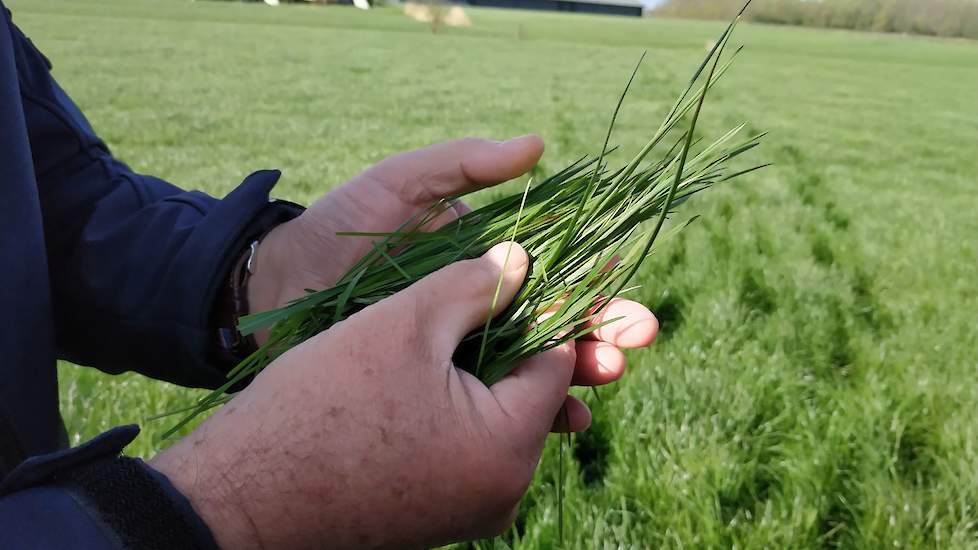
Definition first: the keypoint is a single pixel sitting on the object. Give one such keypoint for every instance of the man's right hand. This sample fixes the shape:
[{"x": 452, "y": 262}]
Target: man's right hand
[{"x": 368, "y": 436}]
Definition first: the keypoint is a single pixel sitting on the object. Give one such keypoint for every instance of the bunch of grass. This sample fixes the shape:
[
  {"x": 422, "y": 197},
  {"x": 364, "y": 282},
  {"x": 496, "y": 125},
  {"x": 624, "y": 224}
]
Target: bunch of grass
[{"x": 583, "y": 228}]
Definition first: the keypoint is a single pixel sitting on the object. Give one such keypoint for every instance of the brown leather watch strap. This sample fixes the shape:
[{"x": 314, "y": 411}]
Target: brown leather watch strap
[{"x": 232, "y": 346}]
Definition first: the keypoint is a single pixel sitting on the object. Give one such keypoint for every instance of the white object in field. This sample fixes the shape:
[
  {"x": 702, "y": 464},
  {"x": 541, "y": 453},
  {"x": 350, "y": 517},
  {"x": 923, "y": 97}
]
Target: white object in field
[
  {"x": 453, "y": 17},
  {"x": 456, "y": 17},
  {"x": 271, "y": 2},
  {"x": 362, "y": 4},
  {"x": 417, "y": 12}
]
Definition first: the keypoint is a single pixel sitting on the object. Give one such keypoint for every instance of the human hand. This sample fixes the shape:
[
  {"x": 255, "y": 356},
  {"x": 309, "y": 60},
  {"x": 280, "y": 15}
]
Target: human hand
[
  {"x": 367, "y": 435},
  {"x": 307, "y": 252}
]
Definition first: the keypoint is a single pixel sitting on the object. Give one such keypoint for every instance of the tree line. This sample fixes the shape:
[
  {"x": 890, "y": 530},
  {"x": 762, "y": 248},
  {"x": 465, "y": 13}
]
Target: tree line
[{"x": 953, "y": 18}]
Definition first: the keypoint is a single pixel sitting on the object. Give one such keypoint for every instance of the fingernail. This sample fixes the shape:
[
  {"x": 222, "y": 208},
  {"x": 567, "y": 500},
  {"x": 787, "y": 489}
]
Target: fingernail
[{"x": 507, "y": 256}]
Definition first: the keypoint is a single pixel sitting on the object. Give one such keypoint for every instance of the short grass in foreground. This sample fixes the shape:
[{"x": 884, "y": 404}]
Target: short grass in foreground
[{"x": 817, "y": 375}]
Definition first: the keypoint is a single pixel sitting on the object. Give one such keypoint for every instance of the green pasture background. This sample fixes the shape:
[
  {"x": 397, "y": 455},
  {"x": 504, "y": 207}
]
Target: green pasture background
[{"x": 816, "y": 380}]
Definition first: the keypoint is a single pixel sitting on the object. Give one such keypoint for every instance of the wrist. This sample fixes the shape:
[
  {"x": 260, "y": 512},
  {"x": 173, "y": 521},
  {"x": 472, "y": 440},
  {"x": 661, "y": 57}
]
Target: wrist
[
  {"x": 264, "y": 290},
  {"x": 198, "y": 476},
  {"x": 253, "y": 285}
]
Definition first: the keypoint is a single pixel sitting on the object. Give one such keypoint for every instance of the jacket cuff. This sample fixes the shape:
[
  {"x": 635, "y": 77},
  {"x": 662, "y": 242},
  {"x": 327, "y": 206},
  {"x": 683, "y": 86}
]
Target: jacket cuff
[
  {"x": 239, "y": 218},
  {"x": 127, "y": 497},
  {"x": 224, "y": 309}
]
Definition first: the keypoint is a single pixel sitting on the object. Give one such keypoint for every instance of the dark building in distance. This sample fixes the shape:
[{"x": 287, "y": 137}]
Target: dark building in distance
[{"x": 607, "y": 7}]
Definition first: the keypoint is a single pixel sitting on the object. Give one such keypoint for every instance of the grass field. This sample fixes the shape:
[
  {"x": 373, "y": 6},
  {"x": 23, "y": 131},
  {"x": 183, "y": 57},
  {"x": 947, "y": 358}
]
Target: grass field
[{"x": 816, "y": 380}]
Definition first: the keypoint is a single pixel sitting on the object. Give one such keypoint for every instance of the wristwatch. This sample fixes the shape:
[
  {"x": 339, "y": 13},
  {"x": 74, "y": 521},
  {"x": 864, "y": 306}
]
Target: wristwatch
[
  {"x": 232, "y": 347},
  {"x": 227, "y": 346}
]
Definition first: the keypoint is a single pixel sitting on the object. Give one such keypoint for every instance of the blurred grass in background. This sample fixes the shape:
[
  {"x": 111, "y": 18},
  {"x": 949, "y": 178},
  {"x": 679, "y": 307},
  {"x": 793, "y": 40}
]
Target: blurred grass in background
[{"x": 816, "y": 379}]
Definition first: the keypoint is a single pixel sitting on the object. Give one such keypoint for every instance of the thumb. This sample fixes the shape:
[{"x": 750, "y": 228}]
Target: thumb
[
  {"x": 453, "y": 301},
  {"x": 534, "y": 392},
  {"x": 454, "y": 168}
]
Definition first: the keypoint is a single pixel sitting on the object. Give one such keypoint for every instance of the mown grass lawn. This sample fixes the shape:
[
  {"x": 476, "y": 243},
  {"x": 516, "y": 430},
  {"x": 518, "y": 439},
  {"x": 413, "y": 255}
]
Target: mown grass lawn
[{"x": 816, "y": 380}]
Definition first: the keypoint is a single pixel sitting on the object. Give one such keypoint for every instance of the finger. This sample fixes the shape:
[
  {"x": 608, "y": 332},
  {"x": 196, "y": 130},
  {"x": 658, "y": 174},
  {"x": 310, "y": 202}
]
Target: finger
[
  {"x": 453, "y": 211},
  {"x": 419, "y": 178},
  {"x": 573, "y": 417},
  {"x": 637, "y": 327},
  {"x": 460, "y": 208},
  {"x": 615, "y": 260},
  {"x": 451, "y": 302},
  {"x": 533, "y": 392},
  {"x": 598, "y": 363}
]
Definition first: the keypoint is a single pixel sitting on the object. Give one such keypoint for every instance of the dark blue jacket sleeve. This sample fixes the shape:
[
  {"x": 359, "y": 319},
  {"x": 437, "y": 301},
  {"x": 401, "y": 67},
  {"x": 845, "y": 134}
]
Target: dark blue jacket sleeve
[
  {"x": 135, "y": 262},
  {"x": 134, "y": 265},
  {"x": 88, "y": 498}
]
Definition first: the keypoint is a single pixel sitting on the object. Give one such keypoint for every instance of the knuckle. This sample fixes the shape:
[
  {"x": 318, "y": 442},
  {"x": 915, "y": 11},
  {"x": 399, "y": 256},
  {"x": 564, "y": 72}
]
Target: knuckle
[
  {"x": 410, "y": 191},
  {"x": 413, "y": 194},
  {"x": 407, "y": 336},
  {"x": 400, "y": 176},
  {"x": 412, "y": 336}
]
